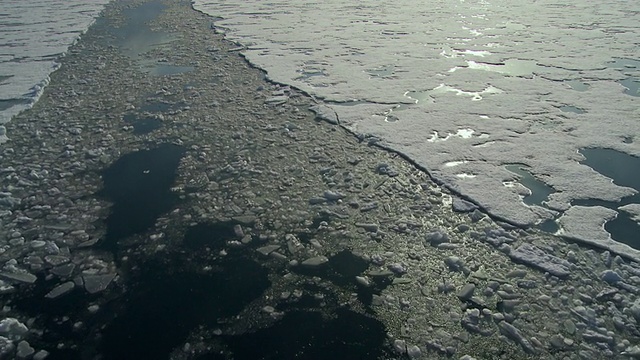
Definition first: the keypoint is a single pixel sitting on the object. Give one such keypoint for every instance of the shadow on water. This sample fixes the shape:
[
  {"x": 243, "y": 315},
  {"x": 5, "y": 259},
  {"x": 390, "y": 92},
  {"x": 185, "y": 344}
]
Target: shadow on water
[
  {"x": 139, "y": 185},
  {"x": 624, "y": 170},
  {"x": 309, "y": 335}
]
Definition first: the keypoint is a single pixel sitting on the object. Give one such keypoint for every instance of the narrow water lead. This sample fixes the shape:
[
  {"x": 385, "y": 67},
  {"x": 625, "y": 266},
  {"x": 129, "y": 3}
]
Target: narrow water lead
[
  {"x": 539, "y": 190},
  {"x": 539, "y": 194}
]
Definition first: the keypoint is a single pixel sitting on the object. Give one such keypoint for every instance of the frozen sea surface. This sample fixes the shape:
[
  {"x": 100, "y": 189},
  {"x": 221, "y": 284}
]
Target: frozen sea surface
[
  {"x": 33, "y": 34},
  {"x": 465, "y": 88}
]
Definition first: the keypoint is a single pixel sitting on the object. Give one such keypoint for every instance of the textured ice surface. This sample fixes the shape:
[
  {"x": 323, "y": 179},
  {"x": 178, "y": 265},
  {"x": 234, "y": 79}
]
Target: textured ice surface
[
  {"x": 507, "y": 70},
  {"x": 33, "y": 34},
  {"x": 633, "y": 210}
]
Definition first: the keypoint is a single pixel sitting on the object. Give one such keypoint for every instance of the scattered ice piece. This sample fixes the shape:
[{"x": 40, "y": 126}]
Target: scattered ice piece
[
  {"x": 96, "y": 283},
  {"x": 315, "y": 261},
  {"x": 24, "y": 350},
  {"x": 534, "y": 256},
  {"x": 60, "y": 290},
  {"x": 6, "y": 346},
  {"x": 325, "y": 113},
  {"x": 632, "y": 351},
  {"x": 363, "y": 280},
  {"x": 24, "y": 277},
  {"x": 466, "y": 292},
  {"x": 332, "y": 195},
  {"x": 514, "y": 334},
  {"x": 400, "y": 346},
  {"x": 610, "y": 277},
  {"x": 266, "y": 250},
  {"x": 277, "y": 100},
  {"x": 12, "y": 328},
  {"x": 3, "y": 134},
  {"x": 414, "y": 352},
  {"x": 437, "y": 237}
]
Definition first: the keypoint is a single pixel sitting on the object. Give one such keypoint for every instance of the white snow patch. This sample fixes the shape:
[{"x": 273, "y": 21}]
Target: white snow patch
[
  {"x": 455, "y": 163},
  {"x": 465, "y": 176},
  {"x": 461, "y": 133}
]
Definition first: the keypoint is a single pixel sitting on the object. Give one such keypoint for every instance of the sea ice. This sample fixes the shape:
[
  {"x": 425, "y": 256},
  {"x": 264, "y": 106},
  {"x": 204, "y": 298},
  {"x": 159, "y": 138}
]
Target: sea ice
[{"x": 521, "y": 72}]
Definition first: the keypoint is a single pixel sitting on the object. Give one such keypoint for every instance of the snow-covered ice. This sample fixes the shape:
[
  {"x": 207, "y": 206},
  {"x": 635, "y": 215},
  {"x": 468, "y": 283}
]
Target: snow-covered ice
[
  {"x": 33, "y": 34},
  {"x": 510, "y": 71}
]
